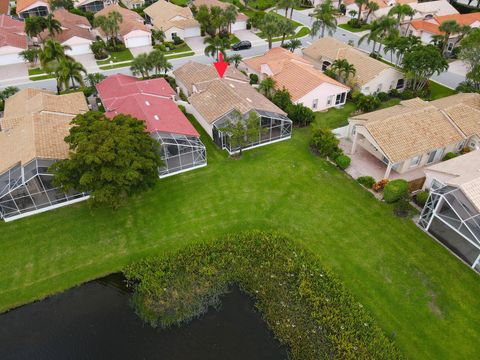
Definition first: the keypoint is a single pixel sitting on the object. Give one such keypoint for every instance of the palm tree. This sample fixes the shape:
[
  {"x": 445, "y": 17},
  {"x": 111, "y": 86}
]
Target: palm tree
[
  {"x": 230, "y": 15},
  {"x": 158, "y": 35},
  {"x": 379, "y": 29},
  {"x": 286, "y": 27},
  {"x": 324, "y": 16},
  {"x": 70, "y": 71},
  {"x": 215, "y": 45},
  {"x": 110, "y": 25},
  {"x": 7, "y": 92},
  {"x": 293, "y": 44},
  {"x": 285, "y": 5},
  {"x": 34, "y": 25},
  {"x": 99, "y": 49},
  {"x": 267, "y": 86},
  {"x": 372, "y": 6},
  {"x": 158, "y": 61},
  {"x": 400, "y": 11},
  {"x": 235, "y": 59},
  {"x": 448, "y": 28},
  {"x": 343, "y": 69},
  {"x": 93, "y": 79},
  {"x": 30, "y": 55},
  {"x": 141, "y": 65},
  {"x": 52, "y": 51},
  {"x": 270, "y": 27},
  {"x": 360, "y": 4},
  {"x": 52, "y": 25}
]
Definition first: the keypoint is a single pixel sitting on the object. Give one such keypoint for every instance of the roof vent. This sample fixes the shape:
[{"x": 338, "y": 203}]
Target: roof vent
[
  {"x": 147, "y": 103},
  {"x": 249, "y": 100},
  {"x": 156, "y": 117},
  {"x": 231, "y": 85}
]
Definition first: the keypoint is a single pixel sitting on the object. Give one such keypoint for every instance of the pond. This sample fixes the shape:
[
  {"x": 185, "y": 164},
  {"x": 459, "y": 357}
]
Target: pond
[{"x": 96, "y": 321}]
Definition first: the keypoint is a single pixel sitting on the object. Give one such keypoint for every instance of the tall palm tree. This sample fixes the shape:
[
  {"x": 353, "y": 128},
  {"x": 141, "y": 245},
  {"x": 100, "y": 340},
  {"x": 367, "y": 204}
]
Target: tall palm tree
[
  {"x": 52, "y": 51},
  {"x": 283, "y": 5},
  {"x": 372, "y": 6},
  {"x": 158, "y": 61},
  {"x": 449, "y": 28},
  {"x": 400, "y": 11},
  {"x": 286, "y": 28},
  {"x": 267, "y": 86},
  {"x": 324, "y": 16},
  {"x": 235, "y": 58},
  {"x": 230, "y": 15},
  {"x": 270, "y": 27},
  {"x": 110, "y": 25},
  {"x": 52, "y": 25},
  {"x": 379, "y": 29},
  {"x": 360, "y": 4},
  {"x": 34, "y": 25},
  {"x": 141, "y": 65},
  {"x": 30, "y": 55},
  {"x": 71, "y": 72},
  {"x": 92, "y": 79},
  {"x": 343, "y": 69},
  {"x": 215, "y": 45},
  {"x": 158, "y": 35}
]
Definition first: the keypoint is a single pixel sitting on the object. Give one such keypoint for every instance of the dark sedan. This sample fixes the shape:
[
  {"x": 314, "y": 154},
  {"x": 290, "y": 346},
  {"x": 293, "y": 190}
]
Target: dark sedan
[{"x": 242, "y": 45}]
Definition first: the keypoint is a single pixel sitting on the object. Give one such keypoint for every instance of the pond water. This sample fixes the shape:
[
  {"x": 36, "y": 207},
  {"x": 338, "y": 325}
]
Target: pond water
[{"x": 96, "y": 321}]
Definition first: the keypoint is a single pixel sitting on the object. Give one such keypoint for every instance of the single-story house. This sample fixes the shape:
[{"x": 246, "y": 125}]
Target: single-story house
[
  {"x": 217, "y": 101},
  {"x": 372, "y": 76},
  {"x": 416, "y": 133},
  {"x": 452, "y": 211},
  {"x": 153, "y": 102},
  {"x": 4, "y": 7},
  {"x": 383, "y": 5},
  {"x": 76, "y": 32},
  {"x": 239, "y": 24},
  {"x": 13, "y": 40},
  {"x": 306, "y": 84},
  {"x": 135, "y": 4},
  {"x": 92, "y": 5},
  {"x": 423, "y": 10},
  {"x": 32, "y": 134},
  {"x": 133, "y": 32},
  {"x": 173, "y": 20},
  {"x": 26, "y": 8},
  {"x": 425, "y": 29}
]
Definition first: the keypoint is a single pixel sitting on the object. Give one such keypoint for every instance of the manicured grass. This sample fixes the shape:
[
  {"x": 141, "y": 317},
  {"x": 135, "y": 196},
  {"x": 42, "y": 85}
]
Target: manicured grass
[
  {"x": 180, "y": 2},
  {"x": 438, "y": 91},
  {"x": 352, "y": 29},
  {"x": 304, "y": 31},
  {"x": 41, "y": 77},
  {"x": 261, "y": 4},
  {"x": 179, "y": 55},
  {"x": 36, "y": 71},
  {"x": 119, "y": 56},
  {"x": 421, "y": 295},
  {"x": 179, "y": 48},
  {"x": 334, "y": 118},
  {"x": 115, "y": 66}
]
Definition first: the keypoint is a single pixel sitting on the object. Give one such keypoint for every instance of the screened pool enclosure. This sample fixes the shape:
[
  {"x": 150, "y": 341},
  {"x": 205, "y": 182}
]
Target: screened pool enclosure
[
  {"x": 455, "y": 222},
  {"x": 29, "y": 189},
  {"x": 274, "y": 127},
  {"x": 179, "y": 153}
]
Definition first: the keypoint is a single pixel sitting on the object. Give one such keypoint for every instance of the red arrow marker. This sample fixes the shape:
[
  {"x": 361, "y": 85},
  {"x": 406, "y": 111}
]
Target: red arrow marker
[{"x": 221, "y": 65}]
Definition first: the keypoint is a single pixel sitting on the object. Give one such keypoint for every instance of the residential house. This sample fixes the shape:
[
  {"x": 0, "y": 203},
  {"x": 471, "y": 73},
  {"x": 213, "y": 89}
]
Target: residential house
[
  {"x": 135, "y": 4},
  {"x": 452, "y": 211},
  {"x": 306, "y": 85},
  {"x": 93, "y": 5},
  {"x": 239, "y": 24},
  {"x": 416, "y": 133},
  {"x": 425, "y": 29},
  {"x": 216, "y": 102},
  {"x": 4, "y": 7},
  {"x": 153, "y": 102},
  {"x": 133, "y": 32},
  {"x": 173, "y": 20},
  {"x": 76, "y": 32},
  {"x": 350, "y": 5},
  {"x": 423, "y": 10},
  {"x": 372, "y": 75},
  {"x": 32, "y": 134},
  {"x": 26, "y": 8},
  {"x": 13, "y": 40}
]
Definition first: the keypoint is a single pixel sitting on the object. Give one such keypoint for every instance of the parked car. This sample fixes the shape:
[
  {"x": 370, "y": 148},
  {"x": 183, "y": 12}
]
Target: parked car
[{"x": 242, "y": 45}]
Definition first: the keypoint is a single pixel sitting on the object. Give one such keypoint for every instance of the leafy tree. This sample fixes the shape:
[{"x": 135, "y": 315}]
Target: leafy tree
[
  {"x": 211, "y": 19},
  {"x": 99, "y": 49},
  {"x": 286, "y": 28},
  {"x": 70, "y": 71},
  {"x": 6, "y": 93},
  {"x": 34, "y": 25},
  {"x": 367, "y": 103},
  {"x": 300, "y": 114},
  {"x": 235, "y": 58},
  {"x": 470, "y": 48},
  {"x": 325, "y": 19},
  {"x": 399, "y": 45},
  {"x": 326, "y": 143},
  {"x": 30, "y": 55},
  {"x": 111, "y": 159},
  {"x": 110, "y": 25},
  {"x": 270, "y": 27},
  {"x": 243, "y": 132},
  {"x": 421, "y": 62},
  {"x": 473, "y": 76},
  {"x": 56, "y": 4},
  {"x": 141, "y": 65},
  {"x": 292, "y": 45},
  {"x": 215, "y": 45},
  {"x": 267, "y": 87},
  {"x": 282, "y": 99},
  {"x": 372, "y": 6},
  {"x": 52, "y": 25}
]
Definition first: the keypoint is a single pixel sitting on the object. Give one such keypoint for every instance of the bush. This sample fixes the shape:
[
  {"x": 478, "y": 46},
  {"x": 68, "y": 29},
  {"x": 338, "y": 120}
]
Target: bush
[
  {"x": 182, "y": 109},
  {"x": 366, "y": 181},
  {"x": 449, "y": 155},
  {"x": 394, "y": 93},
  {"x": 366, "y": 103},
  {"x": 306, "y": 307},
  {"x": 282, "y": 99},
  {"x": 380, "y": 185},
  {"x": 395, "y": 190},
  {"x": 383, "y": 96},
  {"x": 402, "y": 208},
  {"x": 177, "y": 40},
  {"x": 343, "y": 161},
  {"x": 421, "y": 198},
  {"x": 300, "y": 114},
  {"x": 253, "y": 79},
  {"x": 326, "y": 143},
  {"x": 160, "y": 47},
  {"x": 183, "y": 96}
]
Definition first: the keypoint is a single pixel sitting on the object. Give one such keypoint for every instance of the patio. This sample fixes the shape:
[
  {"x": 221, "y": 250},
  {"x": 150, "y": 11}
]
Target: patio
[{"x": 365, "y": 164}]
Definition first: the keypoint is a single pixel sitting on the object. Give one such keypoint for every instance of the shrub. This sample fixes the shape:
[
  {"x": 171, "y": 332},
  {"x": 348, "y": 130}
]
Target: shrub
[
  {"x": 343, "y": 161},
  {"x": 421, "y": 198},
  {"x": 253, "y": 79},
  {"x": 402, "y": 208},
  {"x": 449, "y": 155},
  {"x": 282, "y": 99},
  {"x": 306, "y": 307},
  {"x": 394, "y": 93},
  {"x": 366, "y": 103},
  {"x": 326, "y": 143},
  {"x": 383, "y": 96},
  {"x": 366, "y": 181},
  {"x": 380, "y": 185},
  {"x": 177, "y": 40},
  {"x": 183, "y": 96},
  {"x": 182, "y": 109},
  {"x": 160, "y": 47},
  {"x": 395, "y": 190},
  {"x": 300, "y": 114}
]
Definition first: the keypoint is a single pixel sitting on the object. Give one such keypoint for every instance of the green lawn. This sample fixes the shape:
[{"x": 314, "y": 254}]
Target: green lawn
[
  {"x": 36, "y": 71},
  {"x": 304, "y": 31},
  {"x": 421, "y": 295},
  {"x": 352, "y": 29},
  {"x": 119, "y": 56},
  {"x": 180, "y": 2},
  {"x": 334, "y": 118},
  {"x": 438, "y": 91}
]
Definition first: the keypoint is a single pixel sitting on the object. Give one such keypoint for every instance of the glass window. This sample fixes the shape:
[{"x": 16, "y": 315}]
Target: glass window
[
  {"x": 315, "y": 104},
  {"x": 400, "y": 84},
  {"x": 460, "y": 145},
  {"x": 415, "y": 161}
]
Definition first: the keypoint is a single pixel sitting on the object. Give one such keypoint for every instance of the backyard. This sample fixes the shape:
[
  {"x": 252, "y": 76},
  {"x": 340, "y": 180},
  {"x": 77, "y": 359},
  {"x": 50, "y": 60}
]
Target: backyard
[{"x": 421, "y": 295}]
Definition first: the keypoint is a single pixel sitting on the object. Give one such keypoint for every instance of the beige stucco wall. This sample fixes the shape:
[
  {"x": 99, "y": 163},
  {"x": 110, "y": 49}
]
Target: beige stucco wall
[{"x": 383, "y": 82}]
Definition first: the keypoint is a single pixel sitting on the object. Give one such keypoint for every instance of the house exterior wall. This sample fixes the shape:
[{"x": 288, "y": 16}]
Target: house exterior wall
[
  {"x": 320, "y": 95},
  {"x": 181, "y": 86},
  {"x": 174, "y": 30},
  {"x": 137, "y": 38},
  {"x": 79, "y": 46},
  {"x": 201, "y": 120},
  {"x": 383, "y": 82},
  {"x": 192, "y": 31},
  {"x": 10, "y": 55},
  {"x": 239, "y": 25}
]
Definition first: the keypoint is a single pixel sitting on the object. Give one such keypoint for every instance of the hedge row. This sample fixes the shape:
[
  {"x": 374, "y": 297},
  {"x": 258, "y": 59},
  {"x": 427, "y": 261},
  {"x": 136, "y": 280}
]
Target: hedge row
[{"x": 305, "y": 306}]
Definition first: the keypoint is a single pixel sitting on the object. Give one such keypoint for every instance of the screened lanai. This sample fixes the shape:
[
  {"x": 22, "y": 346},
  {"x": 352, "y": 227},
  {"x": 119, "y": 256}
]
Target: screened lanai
[
  {"x": 455, "y": 222},
  {"x": 180, "y": 153},
  {"x": 28, "y": 189},
  {"x": 274, "y": 127}
]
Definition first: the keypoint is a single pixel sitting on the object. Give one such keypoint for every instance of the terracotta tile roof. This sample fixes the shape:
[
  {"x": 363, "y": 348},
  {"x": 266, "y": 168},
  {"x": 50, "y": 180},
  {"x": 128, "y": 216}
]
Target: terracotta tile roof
[
  {"x": 330, "y": 49},
  {"x": 221, "y": 96},
  {"x": 37, "y": 129},
  {"x": 72, "y": 25},
  {"x": 165, "y": 15},
  {"x": 130, "y": 19},
  {"x": 23, "y": 4},
  {"x": 221, "y": 5},
  {"x": 195, "y": 73},
  {"x": 426, "y": 26},
  {"x": 432, "y": 25},
  {"x": 291, "y": 72},
  {"x": 12, "y": 32},
  {"x": 4, "y": 6},
  {"x": 148, "y": 100}
]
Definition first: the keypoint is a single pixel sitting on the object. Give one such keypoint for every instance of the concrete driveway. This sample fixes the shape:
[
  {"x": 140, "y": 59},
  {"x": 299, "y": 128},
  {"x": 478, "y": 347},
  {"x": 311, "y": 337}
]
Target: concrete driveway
[
  {"x": 458, "y": 67},
  {"x": 88, "y": 61},
  {"x": 196, "y": 43},
  {"x": 13, "y": 71},
  {"x": 141, "y": 50},
  {"x": 247, "y": 35}
]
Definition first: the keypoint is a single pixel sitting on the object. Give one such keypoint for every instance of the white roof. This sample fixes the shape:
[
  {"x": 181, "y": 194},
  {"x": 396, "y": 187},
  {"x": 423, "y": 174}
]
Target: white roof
[{"x": 436, "y": 8}]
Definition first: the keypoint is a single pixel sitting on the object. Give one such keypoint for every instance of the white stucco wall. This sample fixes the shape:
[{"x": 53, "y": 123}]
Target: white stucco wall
[
  {"x": 321, "y": 94},
  {"x": 137, "y": 38},
  {"x": 383, "y": 82},
  {"x": 192, "y": 31},
  {"x": 239, "y": 25},
  {"x": 10, "y": 55}
]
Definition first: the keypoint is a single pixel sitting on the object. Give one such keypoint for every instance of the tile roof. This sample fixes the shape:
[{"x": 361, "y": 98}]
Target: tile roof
[
  {"x": 130, "y": 19},
  {"x": 432, "y": 25},
  {"x": 221, "y": 96},
  {"x": 148, "y": 100},
  {"x": 23, "y": 4},
  {"x": 72, "y": 26},
  {"x": 166, "y": 15},
  {"x": 195, "y": 73},
  {"x": 12, "y": 32},
  {"x": 35, "y": 125},
  {"x": 330, "y": 49},
  {"x": 222, "y": 5},
  {"x": 291, "y": 72},
  {"x": 4, "y": 6}
]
